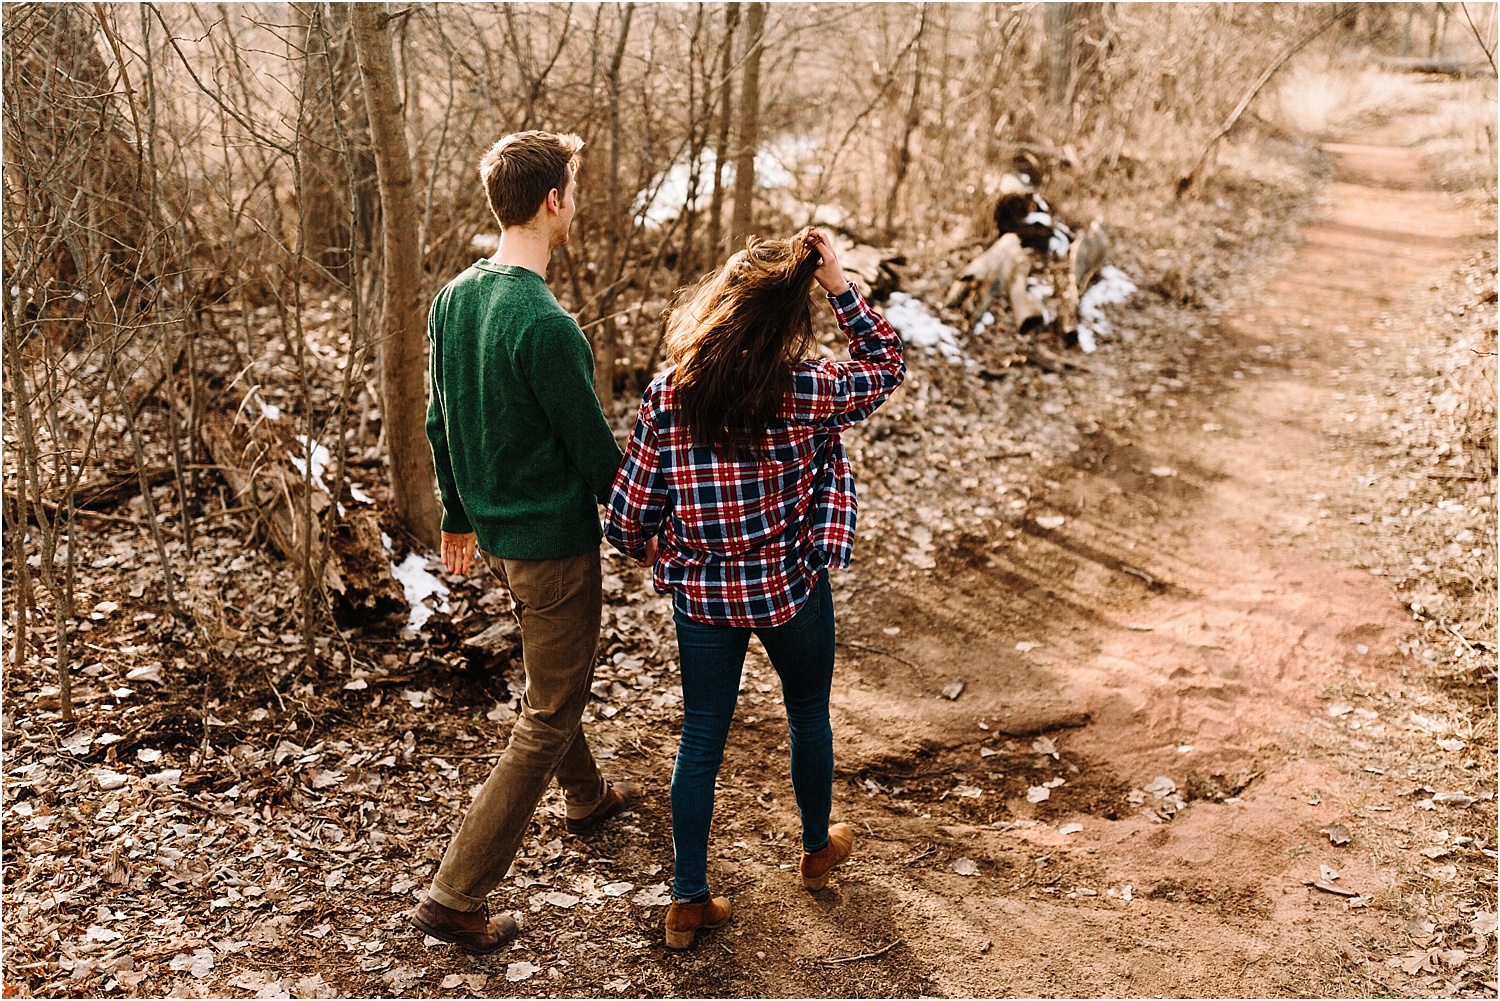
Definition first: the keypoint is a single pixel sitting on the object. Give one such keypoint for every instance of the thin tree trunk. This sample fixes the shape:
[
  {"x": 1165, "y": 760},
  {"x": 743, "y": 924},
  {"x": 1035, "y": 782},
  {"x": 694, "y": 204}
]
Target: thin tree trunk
[
  {"x": 913, "y": 117},
  {"x": 607, "y": 341},
  {"x": 749, "y": 135},
  {"x": 721, "y": 141},
  {"x": 402, "y": 347}
]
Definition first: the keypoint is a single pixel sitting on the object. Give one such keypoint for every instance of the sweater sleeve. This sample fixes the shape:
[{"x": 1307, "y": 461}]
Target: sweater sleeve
[
  {"x": 555, "y": 359},
  {"x": 455, "y": 520}
]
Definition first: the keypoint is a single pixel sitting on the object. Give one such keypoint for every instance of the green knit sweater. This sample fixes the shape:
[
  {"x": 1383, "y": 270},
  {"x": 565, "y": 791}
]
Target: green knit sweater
[{"x": 521, "y": 446}]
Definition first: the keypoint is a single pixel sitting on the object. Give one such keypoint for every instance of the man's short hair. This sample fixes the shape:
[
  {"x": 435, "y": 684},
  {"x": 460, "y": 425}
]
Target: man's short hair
[{"x": 520, "y": 169}]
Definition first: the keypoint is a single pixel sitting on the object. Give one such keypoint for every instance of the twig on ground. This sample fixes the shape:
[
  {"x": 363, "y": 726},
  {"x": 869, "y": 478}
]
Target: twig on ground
[
  {"x": 864, "y": 955},
  {"x": 876, "y": 650}
]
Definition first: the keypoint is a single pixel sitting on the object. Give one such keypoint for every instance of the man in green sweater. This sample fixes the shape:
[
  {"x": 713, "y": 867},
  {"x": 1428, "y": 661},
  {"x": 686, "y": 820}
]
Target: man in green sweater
[{"x": 523, "y": 452}]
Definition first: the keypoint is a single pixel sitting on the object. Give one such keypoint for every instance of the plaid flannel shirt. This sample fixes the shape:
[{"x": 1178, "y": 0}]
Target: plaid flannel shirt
[{"x": 742, "y": 541}]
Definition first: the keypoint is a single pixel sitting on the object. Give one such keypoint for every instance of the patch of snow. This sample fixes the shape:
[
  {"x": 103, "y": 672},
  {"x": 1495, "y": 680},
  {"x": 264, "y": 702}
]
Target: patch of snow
[
  {"x": 320, "y": 458},
  {"x": 1112, "y": 287},
  {"x": 1038, "y": 219},
  {"x": 775, "y": 167},
  {"x": 419, "y": 585},
  {"x": 916, "y": 325},
  {"x": 360, "y": 495},
  {"x": 1059, "y": 244}
]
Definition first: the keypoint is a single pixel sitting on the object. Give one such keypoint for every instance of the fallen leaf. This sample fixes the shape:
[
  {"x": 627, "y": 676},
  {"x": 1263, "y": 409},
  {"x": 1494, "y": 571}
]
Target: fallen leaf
[
  {"x": 357, "y": 685},
  {"x": 1328, "y": 872},
  {"x": 108, "y": 780},
  {"x": 1482, "y": 923},
  {"x": 1445, "y": 873},
  {"x": 99, "y": 933},
  {"x": 1073, "y": 828},
  {"x": 559, "y": 899},
  {"x": 452, "y": 980},
  {"x": 1161, "y": 787},
  {"x": 1044, "y": 745},
  {"x": 953, "y": 689},
  {"x": 617, "y": 889},
  {"x": 517, "y": 972},
  {"x": 618, "y": 985},
  {"x": 1340, "y": 709},
  {"x": 967, "y": 792},
  {"x": 324, "y": 779},
  {"x": 1338, "y": 891},
  {"x": 148, "y": 672},
  {"x": 653, "y": 896},
  {"x": 199, "y": 962},
  {"x": 1338, "y": 834},
  {"x": 964, "y": 867},
  {"x": 1451, "y": 744},
  {"x": 1453, "y": 799},
  {"x": 1038, "y": 794}
]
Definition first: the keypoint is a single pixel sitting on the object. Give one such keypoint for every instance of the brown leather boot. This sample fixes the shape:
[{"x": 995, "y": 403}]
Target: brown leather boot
[
  {"x": 473, "y": 931},
  {"x": 683, "y": 920},
  {"x": 817, "y": 865},
  {"x": 616, "y": 799}
]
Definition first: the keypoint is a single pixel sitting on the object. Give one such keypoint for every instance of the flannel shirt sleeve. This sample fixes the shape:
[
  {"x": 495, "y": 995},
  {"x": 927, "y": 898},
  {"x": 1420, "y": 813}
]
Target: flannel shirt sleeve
[
  {"x": 638, "y": 500},
  {"x": 837, "y": 395},
  {"x": 455, "y": 520}
]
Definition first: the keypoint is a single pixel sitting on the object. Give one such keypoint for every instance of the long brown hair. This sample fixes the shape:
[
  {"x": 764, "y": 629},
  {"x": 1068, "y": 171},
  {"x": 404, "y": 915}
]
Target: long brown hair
[{"x": 736, "y": 338}]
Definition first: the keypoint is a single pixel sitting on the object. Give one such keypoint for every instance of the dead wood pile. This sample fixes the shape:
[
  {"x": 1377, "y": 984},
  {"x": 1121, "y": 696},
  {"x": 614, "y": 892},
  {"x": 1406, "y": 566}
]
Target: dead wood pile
[{"x": 256, "y": 459}]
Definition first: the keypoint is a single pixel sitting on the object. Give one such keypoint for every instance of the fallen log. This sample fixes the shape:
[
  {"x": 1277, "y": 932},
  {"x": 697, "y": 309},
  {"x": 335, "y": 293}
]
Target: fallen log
[
  {"x": 94, "y": 494},
  {"x": 1003, "y": 267},
  {"x": 1085, "y": 258},
  {"x": 501, "y": 641},
  {"x": 873, "y": 269},
  {"x": 256, "y": 463}
]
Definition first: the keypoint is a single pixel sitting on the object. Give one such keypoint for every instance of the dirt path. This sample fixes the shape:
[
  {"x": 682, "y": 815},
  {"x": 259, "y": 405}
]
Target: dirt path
[
  {"x": 1184, "y": 621},
  {"x": 1176, "y": 680}
]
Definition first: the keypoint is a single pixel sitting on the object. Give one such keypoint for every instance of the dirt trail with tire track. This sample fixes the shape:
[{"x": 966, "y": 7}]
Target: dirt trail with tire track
[{"x": 1184, "y": 621}]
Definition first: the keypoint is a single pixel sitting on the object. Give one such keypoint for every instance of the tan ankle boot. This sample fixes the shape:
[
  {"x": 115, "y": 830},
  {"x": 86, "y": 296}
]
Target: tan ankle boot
[
  {"x": 683, "y": 920},
  {"x": 817, "y": 865}
]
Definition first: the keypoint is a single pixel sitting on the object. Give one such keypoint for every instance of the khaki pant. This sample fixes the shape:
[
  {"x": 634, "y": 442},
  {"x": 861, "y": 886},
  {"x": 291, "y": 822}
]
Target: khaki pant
[{"x": 558, "y": 604}]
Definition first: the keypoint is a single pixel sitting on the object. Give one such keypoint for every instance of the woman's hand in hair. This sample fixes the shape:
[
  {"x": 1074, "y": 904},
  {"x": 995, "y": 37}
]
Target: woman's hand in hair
[{"x": 829, "y": 274}]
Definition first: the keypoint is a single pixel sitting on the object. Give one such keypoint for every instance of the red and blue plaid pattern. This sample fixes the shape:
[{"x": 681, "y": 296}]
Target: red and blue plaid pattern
[{"x": 742, "y": 540}]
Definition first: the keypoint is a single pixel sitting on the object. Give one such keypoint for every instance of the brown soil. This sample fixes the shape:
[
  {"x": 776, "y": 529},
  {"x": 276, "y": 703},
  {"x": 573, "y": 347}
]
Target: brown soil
[
  {"x": 1197, "y": 615},
  {"x": 1189, "y": 625}
]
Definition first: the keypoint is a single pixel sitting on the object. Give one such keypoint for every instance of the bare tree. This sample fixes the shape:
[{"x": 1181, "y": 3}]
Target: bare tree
[
  {"x": 402, "y": 346},
  {"x": 910, "y": 122},
  {"x": 748, "y": 141},
  {"x": 721, "y": 137}
]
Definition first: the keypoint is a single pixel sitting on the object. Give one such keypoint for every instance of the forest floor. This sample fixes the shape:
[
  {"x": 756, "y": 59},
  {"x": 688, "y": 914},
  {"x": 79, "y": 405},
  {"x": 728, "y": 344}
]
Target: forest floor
[{"x": 1220, "y": 600}]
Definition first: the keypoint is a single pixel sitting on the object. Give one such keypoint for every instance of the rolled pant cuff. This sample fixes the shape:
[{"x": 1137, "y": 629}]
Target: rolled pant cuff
[
  {"x": 441, "y": 894},
  {"x": 580, "y": 810}
]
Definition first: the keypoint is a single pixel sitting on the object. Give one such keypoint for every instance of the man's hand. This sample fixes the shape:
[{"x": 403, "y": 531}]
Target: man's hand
[
  {"x": 458, "y": 551},
  {"x": 829, "y": 274},
  {"x": 650, "y": 560}
]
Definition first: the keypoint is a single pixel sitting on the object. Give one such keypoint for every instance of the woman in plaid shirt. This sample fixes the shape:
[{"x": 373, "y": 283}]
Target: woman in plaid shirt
[{"x": 737, "y": 468}]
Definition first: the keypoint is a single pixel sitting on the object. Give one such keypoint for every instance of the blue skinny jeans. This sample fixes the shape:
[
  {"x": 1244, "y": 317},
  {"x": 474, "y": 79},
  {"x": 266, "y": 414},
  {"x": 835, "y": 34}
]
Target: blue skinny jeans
[{"x": 712, "y": 659}]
